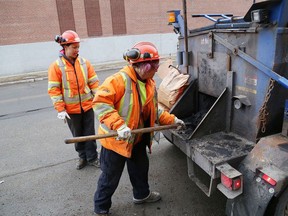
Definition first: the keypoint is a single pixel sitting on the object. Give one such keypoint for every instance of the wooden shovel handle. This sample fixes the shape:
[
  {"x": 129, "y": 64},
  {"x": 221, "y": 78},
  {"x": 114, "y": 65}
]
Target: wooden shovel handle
[{"x": 114, "y": 134}]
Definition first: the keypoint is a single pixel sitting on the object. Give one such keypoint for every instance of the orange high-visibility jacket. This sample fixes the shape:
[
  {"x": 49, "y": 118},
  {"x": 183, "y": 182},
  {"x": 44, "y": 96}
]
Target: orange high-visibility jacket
[
  {"x": 117, "y": 102},
  {"x": 72, "y": 87}
]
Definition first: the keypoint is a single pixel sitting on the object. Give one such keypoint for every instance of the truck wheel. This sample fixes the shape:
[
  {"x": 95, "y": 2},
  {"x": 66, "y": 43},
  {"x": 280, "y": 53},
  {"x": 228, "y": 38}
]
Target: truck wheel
[{"x": 281, "y": 205}]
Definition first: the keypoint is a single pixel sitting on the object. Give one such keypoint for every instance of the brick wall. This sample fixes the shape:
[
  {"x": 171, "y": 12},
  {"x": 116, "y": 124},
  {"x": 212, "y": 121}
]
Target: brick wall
[
  {"x": 27, "y": 21},
  {"x": 106, "y": 18},
  {"x": 33, "y": 21}
]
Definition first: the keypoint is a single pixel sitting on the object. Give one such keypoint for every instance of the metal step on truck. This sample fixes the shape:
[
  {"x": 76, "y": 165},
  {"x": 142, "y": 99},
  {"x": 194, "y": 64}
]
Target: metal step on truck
[{"x": 236, "y": 106}]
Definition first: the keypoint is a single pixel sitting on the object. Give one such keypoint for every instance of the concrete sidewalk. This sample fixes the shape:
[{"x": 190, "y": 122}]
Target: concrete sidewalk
[{"x": 41, "y": 75}]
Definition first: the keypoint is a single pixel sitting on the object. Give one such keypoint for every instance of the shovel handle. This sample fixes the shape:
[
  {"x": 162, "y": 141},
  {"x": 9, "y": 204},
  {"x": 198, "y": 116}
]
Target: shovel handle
[{"x": 114, "y": 134}]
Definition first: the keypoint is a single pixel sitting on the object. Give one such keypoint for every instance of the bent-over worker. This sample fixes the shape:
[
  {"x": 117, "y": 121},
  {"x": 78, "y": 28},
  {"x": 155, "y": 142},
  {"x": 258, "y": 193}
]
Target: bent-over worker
[{"x": 125, "y": 101}]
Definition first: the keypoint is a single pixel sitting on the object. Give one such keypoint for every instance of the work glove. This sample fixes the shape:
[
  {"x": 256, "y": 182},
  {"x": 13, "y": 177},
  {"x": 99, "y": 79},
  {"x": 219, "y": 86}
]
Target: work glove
[
  {"x": 63, "y": 115},
  {"x": 123, "y": 132},
  {"x": 180, "y": 123}
]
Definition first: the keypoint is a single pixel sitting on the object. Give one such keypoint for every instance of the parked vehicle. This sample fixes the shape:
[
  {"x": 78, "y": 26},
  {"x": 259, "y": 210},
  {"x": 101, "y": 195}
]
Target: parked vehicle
[{"x": 235, "y": 106}]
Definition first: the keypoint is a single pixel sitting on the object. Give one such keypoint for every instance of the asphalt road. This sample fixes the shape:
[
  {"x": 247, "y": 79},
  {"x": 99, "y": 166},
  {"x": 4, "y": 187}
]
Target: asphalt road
[{"x": 38, "y": 175}]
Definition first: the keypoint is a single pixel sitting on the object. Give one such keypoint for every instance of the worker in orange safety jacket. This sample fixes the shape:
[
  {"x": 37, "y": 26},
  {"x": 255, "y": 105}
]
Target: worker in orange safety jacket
[
  {"x": 72, "y": 84},
  {"x": 125, "y": 101}
]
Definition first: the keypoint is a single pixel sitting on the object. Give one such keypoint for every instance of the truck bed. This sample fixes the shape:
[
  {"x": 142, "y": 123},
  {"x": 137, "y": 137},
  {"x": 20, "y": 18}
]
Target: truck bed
[
  {"x": 212, "y": 149},
  {"x": 221, "y": 147}
]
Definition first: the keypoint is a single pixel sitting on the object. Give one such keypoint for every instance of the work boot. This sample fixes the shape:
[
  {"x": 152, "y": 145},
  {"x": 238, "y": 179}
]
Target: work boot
[
  {"x": 152, "y": 197},
  {"x": 81, "y": 163},
  {"x": 95, "y": 163}
]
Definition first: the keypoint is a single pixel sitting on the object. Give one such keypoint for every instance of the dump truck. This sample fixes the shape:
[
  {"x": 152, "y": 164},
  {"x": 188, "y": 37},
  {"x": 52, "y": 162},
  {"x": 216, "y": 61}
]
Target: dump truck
[{"x": 235, "y": 106}]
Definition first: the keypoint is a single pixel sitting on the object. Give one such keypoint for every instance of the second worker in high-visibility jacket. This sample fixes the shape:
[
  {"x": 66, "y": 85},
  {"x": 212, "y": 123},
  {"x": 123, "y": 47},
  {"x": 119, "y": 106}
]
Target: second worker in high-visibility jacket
[
  {"x": 72, "y": 84},
  {"x": 125, "y": 101}
]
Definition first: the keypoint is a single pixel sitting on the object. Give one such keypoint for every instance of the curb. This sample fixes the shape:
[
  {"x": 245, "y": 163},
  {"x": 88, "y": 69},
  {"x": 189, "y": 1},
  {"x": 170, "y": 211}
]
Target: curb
[{"x": 42, "y": 75}]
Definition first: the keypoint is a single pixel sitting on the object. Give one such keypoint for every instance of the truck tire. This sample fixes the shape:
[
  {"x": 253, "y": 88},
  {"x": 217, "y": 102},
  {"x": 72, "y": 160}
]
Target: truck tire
[{"x": 279, "y": 205}]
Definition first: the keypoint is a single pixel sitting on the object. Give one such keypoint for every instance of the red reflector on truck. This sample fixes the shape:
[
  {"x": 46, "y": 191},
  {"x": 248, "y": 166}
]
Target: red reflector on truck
[
  {"x": 227, "y": 182},
  {"x": 268, "y": 179},
  {"x": 231, "y": 184},
  {"x": 237, "y": 184}
]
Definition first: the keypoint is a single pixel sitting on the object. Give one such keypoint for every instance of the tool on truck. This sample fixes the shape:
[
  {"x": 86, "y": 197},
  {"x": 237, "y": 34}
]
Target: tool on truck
[{"x": 236, "y": 106}]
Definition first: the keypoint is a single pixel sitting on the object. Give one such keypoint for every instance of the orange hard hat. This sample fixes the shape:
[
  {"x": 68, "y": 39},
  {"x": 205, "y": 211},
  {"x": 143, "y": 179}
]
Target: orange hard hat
[
  {"x": 67, "y": 37},
  {"x": 140, "y": 52}
]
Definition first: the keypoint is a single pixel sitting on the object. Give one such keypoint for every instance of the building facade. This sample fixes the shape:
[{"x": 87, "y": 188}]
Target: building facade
[
  {"x": 30, "y": 21},
  {"x": 29, "y": 26}
]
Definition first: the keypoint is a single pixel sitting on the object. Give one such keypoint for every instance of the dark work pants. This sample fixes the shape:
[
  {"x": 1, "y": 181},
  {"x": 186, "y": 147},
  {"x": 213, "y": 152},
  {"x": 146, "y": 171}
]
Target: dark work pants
[
  {"x": 112, "y": 165},
  {"x": 84, "y": 125}
]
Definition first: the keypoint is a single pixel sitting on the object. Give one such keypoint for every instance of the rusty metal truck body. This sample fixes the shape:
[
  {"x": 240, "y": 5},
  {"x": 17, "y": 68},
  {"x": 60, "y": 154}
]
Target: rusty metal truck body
[{"x": 235, "y": 107}]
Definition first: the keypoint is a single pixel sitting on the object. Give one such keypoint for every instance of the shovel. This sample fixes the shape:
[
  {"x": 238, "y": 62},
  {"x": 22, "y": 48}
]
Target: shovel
[{"x": 114, "y": 134}]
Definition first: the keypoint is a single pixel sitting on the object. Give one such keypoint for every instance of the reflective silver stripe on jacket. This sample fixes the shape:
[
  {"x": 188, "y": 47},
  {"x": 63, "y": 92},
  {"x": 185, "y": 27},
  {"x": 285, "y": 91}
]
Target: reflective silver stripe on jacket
[
  {"x": 68, "y": 97},
  {"x": 102, "y": 109},
  {"x": 53, "y": 84},
  {"x": 126, "y": 99},
  {"x": 84, "y": 67},
  {"x": 62, "y": 68},
  {"x": 57, "y": 98},
  {"x": 93, "y": 79}
]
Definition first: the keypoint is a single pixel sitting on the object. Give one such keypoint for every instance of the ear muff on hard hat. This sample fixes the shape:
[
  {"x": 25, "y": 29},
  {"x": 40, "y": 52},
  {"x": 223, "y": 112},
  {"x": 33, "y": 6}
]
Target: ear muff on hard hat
[
  {"x": 59, "y": 39},
  {"x": 142, "y": 51},
  {"x": 67, "y": 37},
  {"x": 133, "y": 54}
]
